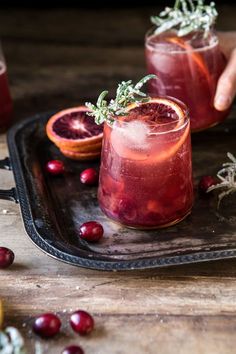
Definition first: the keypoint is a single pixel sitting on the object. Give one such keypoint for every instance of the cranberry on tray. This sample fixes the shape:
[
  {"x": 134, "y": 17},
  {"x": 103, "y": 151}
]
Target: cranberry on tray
[
  {"x": 91, "y": 231},
  {"x": 55, "y": 167},
  {"x": 73, "y": 349},
  {"x": 205, "y": 183},
  {"x": 89, "y": 176}
]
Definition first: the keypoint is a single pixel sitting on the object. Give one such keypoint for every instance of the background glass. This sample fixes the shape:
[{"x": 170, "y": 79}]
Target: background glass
[
  {"x": 5, "y": 98},
  {"x": 187, "y": 68}
]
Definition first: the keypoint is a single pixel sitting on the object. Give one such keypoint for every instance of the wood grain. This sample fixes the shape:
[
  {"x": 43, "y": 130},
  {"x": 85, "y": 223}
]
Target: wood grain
[
  {"x": 58, "y": 58},
  {"x": 166, "y": 305}
]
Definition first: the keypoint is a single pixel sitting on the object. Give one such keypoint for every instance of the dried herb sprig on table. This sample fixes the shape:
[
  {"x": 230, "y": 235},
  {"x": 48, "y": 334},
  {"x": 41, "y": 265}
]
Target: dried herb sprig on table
[
  {"x": 186, "y": 16},
  {"x": 227, "y": 176},
  {"x": 11, "y": 342},
  {"x": 126, "y": 93}
]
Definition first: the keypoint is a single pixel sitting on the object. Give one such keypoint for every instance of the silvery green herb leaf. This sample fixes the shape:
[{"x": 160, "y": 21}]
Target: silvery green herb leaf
[
  {"x": 11, "y": 342},
  {"x": 227, "y": 177},
  {"x": 126, "y": 93},
  {"x": 186, "y": 16}
]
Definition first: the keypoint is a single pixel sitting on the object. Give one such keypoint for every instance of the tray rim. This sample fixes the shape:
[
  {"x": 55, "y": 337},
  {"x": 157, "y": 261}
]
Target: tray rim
[{"x": 108, "y": 265}]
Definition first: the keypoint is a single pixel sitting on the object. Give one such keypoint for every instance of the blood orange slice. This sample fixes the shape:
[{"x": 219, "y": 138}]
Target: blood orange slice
[
  {"x": 141, "y": 135},
  {"x": 94, "y": 147},
  {"x": 81, "y": 155},
  {"x": 73, "y": 129},
  {"x": 196, "y": 57}
]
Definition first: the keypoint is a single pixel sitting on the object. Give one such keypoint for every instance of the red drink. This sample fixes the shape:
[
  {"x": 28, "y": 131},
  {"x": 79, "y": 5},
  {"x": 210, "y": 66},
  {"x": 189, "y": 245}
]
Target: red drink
[
  {"x": 5, "y": 99},
  {"x": 146, "y": 169},
  {"x": 187, "y": 68}
]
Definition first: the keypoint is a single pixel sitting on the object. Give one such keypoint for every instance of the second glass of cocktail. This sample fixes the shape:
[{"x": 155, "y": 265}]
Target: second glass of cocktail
[
  {"x": 5, "y": 98},
  {"x": 183, "y": 51},
  {"x": 146, "y": 169}
]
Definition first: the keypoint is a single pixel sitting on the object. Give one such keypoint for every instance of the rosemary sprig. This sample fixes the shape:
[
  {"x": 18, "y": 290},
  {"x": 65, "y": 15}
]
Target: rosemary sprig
[
  {"x": 186, "y": 16},
  {"x": 126, "y": 93},
  {"x": 227, "y": 176},
  {"x": 11, "y": 342}
]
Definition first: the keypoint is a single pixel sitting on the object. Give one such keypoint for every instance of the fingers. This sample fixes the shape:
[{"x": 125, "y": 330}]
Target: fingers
[
  {"x": 227, "y": 42},
  {"x": 226, "y": 86}
]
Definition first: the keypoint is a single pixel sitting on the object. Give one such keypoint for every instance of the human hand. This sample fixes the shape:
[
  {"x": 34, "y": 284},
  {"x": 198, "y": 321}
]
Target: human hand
[{"x": 226, "y": 86}]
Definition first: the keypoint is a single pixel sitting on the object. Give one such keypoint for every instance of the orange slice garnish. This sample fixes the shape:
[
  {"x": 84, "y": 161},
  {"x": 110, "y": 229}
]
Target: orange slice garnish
[
  {"x": 141, "y": 143},
  {"x": 197, "y": 58}
]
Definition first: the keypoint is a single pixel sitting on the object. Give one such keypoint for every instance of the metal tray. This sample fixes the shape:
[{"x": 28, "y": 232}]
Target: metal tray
[{"x": 53, "y": 208}]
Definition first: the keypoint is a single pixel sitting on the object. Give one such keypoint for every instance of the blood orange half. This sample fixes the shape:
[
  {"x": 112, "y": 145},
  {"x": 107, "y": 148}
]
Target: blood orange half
[
  {"x": 81, "y": 155},
  {"x": 141, "y": 135},
  {"x": 72, "y": 129}
]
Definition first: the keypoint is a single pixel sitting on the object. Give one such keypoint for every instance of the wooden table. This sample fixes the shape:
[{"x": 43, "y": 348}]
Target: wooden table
[{"x": 59, "y": 58}]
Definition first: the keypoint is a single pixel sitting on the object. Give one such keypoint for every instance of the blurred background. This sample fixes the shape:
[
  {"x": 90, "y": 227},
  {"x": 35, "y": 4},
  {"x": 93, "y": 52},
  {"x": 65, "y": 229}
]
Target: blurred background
[{"x": 64, "y": 53}]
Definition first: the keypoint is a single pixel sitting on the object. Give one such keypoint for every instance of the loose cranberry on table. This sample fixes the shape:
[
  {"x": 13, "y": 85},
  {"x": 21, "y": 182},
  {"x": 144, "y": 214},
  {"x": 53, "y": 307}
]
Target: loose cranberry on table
[
  {"x": 81, "y": 322},
  {"x": 89, "y": 176},
  {"x": 205, "y": 183},
  {"x": 73, "y": 349},
  {"x": 55, "y": 167},
  {"x": 6, "y": 257},
  {"x": 47, "y": 325},
  {"x": 91, "y": 231}
]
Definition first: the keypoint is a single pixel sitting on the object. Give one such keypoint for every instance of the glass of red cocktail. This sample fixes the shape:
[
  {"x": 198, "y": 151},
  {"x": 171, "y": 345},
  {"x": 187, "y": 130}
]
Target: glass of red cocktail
[
  {"x": 146, "y": 169},
  {"x": 187, "y": 66},
  {"x": 5, "y": 98}
]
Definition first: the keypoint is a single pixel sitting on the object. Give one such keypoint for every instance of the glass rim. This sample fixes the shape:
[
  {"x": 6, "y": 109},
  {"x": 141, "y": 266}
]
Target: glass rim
[
  {"x": 153, "y": 127},
  {"x": 150, "y": 34}
]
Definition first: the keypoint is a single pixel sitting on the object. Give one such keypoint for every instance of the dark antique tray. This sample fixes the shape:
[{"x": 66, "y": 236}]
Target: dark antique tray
[{"x": 53, "y": 208}]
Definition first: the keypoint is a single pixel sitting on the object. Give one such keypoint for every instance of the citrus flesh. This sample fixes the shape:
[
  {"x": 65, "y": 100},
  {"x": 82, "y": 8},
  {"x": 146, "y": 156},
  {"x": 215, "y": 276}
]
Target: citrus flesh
[
  {"x": 74, "y": 132},
  {"x": 152, "y": 131},
  {"x": 73, "y": 127}
]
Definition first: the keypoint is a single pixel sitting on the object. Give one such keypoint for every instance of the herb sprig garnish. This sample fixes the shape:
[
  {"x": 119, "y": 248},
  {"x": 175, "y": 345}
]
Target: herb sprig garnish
[
  {"x": 186, "y": 16},
  {"x": 227, "y": 176},
  {"x": 126, "y": 94}
]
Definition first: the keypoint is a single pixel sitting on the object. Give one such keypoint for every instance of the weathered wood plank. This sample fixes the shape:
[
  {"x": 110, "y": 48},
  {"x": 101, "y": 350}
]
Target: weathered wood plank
[
  {"x": 118, "y": 294},
  {"x": 60, "y": 58},
  {"x": 143, "y": 334}
]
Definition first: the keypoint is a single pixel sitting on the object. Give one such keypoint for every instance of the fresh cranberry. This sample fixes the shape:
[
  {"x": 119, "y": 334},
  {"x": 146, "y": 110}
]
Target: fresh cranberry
[
  {"x": 91, "y": 231},
  {"x": 89, "y": 176},
  {"x": 81, "y": 322},
  {"x": 55, "y": 167},
  {"x": 205, "y": 183},
  {"x": 47, "y": 325},
  {"x": 6, "y": 257},
  {"x": 73, "y": 349}
]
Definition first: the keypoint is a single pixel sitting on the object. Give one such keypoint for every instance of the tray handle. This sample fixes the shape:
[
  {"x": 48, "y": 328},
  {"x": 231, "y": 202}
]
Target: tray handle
[
  {"x": 5, "y": 164},
  {"x": 8, "y": 194}
]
